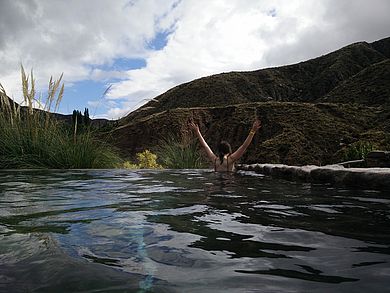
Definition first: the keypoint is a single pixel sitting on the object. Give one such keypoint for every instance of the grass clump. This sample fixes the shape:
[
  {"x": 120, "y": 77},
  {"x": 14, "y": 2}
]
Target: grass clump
[
  {"x": 32, "y": 138},
  {"x": 180, "y": 153},
  {"x": 358, "y": 151}
]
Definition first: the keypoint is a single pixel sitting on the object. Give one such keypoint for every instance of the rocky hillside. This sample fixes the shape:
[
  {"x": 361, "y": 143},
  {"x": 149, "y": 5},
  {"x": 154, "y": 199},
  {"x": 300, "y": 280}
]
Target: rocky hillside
[{"x": 309, "y": 110}]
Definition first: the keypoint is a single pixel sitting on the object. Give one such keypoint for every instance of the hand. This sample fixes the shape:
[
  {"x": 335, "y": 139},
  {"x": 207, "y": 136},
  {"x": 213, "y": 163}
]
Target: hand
[
  {"x": 256, "y": 125},
  {"x": 193, "y": 126}
]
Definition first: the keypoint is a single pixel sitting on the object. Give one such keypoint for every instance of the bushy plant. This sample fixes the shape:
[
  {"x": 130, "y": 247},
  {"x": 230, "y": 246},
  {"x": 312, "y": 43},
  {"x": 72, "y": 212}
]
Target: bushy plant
[
  {"x": 32, "y": 138},
  {"x": 180, "y": 153},
  {"x": 358, "y": 151},
  {"x": 130, "y": 165},
  {"x": 145, "y": 160}
]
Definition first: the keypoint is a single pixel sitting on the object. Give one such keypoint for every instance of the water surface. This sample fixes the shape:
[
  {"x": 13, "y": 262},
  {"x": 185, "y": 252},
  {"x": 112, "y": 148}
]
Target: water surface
[{"x": 188, "y": 231}]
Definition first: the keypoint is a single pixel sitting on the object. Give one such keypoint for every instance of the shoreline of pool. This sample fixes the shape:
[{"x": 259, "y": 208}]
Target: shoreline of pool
[{"x": 367, "y": 178}]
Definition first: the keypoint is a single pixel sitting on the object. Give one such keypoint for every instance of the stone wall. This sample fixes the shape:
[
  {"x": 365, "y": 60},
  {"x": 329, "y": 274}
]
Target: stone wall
[
  {"x": 378, "y": 159},
  {"x": 362, "y": 178}
]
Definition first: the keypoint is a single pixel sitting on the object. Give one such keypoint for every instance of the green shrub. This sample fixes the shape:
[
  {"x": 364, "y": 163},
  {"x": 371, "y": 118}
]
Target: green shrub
[
  {"x": 145, "y": 159},
  {"x": 130, "y": 165},
  {"x": 358, "y": 151}
]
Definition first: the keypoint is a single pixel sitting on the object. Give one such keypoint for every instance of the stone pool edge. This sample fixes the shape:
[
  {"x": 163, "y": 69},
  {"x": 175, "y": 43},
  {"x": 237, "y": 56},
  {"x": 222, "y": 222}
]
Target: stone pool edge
[{"x": 367, "y": 178}]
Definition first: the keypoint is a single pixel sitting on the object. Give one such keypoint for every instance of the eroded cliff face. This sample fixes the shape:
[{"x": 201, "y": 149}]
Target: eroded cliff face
[{"x": 309, "y": 110}]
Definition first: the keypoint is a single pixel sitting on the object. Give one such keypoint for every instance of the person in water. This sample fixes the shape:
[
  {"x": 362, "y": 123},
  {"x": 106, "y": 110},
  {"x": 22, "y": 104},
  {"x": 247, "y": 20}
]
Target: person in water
[{"x": 225, "y": 160}]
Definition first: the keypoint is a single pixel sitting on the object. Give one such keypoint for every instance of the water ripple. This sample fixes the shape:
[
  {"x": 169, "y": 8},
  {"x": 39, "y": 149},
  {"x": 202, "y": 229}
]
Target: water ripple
[{"x": 188, "y": 230}]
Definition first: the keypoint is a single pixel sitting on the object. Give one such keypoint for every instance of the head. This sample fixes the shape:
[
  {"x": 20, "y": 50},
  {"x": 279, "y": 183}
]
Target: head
[{"x": 224, "y": 148}]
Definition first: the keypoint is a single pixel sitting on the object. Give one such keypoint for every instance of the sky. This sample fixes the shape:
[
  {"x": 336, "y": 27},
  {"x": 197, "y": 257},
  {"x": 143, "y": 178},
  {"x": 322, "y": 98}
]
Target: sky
[{"x": 115, "y": 55}]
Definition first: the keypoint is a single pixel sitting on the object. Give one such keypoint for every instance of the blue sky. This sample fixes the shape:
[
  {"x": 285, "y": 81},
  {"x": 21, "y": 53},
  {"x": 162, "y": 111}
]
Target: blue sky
[
  {"x": 142, "y": 48},
  {"x": 91, "y": 94}
]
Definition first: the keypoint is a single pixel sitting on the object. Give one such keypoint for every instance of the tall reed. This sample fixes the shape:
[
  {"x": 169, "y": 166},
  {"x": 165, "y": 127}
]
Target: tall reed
[
  {"x": 177, "y": 152},
  {"x": 33, "y": 138}
]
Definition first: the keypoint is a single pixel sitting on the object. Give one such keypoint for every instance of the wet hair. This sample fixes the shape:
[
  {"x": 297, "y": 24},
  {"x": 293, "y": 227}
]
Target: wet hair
[{"x": 224, "y": 148}]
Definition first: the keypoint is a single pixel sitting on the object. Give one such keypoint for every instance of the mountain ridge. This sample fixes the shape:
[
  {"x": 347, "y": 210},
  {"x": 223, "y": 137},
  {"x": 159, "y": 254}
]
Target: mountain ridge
[
  {"x": 311, "y": 111},
  {"x": 293, "y": 82}
]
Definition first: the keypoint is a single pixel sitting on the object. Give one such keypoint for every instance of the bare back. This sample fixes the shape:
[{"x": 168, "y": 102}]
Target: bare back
[{"x": 226, "y": 166}]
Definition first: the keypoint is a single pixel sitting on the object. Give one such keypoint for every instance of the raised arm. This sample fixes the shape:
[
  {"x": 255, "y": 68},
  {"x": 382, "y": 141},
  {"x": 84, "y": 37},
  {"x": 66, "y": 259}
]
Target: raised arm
[
  {"x": 203, "y": 143},
  {"x": 241, "y": 150}
]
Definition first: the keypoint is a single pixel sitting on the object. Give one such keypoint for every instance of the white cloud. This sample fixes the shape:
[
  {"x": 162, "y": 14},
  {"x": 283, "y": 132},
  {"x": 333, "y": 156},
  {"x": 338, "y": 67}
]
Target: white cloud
[
  {"x": 206, "y": 37},
  {"x": 54, "y": 36},
  {"x": 216, "y": 36},
  {"x": 332, "y": 25}
]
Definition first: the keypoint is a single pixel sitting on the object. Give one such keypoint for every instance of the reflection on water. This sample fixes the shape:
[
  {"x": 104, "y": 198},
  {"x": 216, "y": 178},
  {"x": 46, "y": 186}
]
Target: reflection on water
[{"x": 188, "y": 231}]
